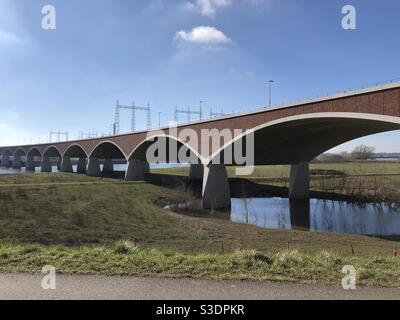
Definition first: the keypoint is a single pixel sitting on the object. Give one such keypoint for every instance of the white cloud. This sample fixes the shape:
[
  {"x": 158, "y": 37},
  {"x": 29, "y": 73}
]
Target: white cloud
[
  {"x": 203, "y": 35},
  {"x": 8, "y": 38},
  {"x": 207, "y": 8}
]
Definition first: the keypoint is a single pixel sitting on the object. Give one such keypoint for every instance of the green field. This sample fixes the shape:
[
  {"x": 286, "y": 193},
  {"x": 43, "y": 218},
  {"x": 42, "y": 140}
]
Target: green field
[{"x": 77, "y": 223}]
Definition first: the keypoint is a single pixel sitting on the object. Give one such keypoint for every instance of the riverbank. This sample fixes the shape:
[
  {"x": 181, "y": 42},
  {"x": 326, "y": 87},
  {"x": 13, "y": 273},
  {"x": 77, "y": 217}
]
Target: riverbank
[{"x": 76, "y": 223}]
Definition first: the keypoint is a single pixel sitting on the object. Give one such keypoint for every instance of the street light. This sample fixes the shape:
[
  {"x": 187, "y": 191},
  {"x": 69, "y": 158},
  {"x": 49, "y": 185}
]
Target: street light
[
  {"x": 270, "y": 82},
  {"x": 201, "y": 109},
  {"x": 159, "y": 119}
]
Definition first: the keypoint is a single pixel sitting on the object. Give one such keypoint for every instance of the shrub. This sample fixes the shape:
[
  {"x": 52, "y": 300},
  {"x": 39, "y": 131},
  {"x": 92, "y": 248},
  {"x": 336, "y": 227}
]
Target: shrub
[
  {"x": 288, "y": 259},
  {"x": 125, "y": 247}
]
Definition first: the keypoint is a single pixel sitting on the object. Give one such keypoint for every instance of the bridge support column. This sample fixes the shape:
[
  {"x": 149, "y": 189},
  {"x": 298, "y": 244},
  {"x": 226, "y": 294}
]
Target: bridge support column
[
  {"x": 299, "y": 187},
  {"x": 46, "y": 165},
  {"x": 216, "y": 191},
  {"x": 108, "y": 166},
  {"x": 196, "y": 172},
  {"x": 136, "y": 170},
  {"x": 146, "y": 167},
  {"x": 81, "y": 166},
  {"x": 17, "y": 162},
  {"x": 93, "y": 169},
  {"x": 30, "y": 163},
  {"x": 66, "y": 165},
  {"x": 5, "y": 161}
]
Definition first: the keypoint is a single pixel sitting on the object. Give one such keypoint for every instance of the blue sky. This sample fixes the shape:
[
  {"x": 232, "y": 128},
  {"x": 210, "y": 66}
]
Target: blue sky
[{"x": 178, "y": 52}]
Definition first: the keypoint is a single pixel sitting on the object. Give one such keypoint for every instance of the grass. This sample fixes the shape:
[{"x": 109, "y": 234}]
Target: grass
[
  {"x": 85, "y": 225},
  {"x": 107, "y": 210},
  {"x": 126, "y": 259}
]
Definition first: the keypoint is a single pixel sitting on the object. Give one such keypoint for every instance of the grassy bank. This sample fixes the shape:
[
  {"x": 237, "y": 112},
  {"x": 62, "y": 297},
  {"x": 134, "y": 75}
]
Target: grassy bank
[
  {"x": 125, "y": 259},
  {"x": 73, "y": 222},
  {"x": 78, "y": 211}
]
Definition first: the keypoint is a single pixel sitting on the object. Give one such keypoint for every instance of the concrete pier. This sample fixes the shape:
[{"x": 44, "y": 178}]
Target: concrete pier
[
  {"x": 5, "y": 161},
  {"x": 136, "y": 170},
  {"x": 93, "y": 169},
  {"x": 108, "y": 166},
  {"x": 46, "y": 165},
  {"x": 17, "y": 162},
  {"x": 81, "y": 169},
  {"x": 30, "y": 163},
  {"x": 216, "y": 191},
  {"x": 146, "y": 167},
  {"x": 299, "y": 187},
  {"x": 196, "y": 172},
  {"x": 66, "y": 165}
]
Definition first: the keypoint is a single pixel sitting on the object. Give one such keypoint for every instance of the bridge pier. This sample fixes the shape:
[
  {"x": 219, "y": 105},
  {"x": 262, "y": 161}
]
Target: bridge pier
[
  {"x": 17, "y": 162},
  {"x": 93, "y": 169},
  {"x": 216, "y": 190},
  {"x": 136, "y": 170},
  {"x": 108, "y": 166},
  {"x": 81, "y": 169},
  {"x": 5, "y": 161},
  {"x": 66, "y": 165},
  {"x": 299, "y": 186},
  {"x": 146, "y": 167},
  {"x": 46, "y": 165},
  {"x": 196, "y": 172},
  {"x": 30, "y": 163}
]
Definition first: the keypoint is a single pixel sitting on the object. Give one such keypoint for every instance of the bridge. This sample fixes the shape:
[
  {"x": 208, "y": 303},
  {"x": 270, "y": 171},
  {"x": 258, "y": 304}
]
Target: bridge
[{"x": 292, "y": 134}]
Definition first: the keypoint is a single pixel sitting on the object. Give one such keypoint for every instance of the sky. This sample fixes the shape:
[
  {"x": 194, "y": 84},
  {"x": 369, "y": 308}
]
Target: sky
[{"x": 179, "y": 52}]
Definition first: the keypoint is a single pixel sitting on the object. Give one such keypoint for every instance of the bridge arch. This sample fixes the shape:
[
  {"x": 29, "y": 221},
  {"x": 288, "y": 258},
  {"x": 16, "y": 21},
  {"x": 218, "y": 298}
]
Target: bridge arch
[
  {"x": 7, "y": 152},
  {"x": 161, "y": 137},
  {"x": 52, "y": 152},
  {"x": 302, "y": 138},
  {"x": 33, "y": 152},
  {"x": 75, "y": 151},
  {"x": 107, "y": 150},
  {"x": 20, "y": 152}
]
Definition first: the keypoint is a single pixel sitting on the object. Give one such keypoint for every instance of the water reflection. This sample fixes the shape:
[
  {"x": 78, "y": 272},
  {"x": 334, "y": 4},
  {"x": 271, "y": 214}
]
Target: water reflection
[
  {"x": 117, "y": 167},
  {"x": 318, "y": 215}
]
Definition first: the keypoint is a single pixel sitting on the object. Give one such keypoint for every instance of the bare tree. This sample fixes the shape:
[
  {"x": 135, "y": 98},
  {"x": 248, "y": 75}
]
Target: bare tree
[{"x": 363, "y": 152}]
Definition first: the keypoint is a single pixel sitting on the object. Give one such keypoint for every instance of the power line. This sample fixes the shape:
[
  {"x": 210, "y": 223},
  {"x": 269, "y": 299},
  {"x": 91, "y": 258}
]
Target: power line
[
  {"x": 133, "y": 108},
  {"x": 59, "y": 135},
  {"x": 188, "y": 112},
  {"x": 216, "y": 114}
]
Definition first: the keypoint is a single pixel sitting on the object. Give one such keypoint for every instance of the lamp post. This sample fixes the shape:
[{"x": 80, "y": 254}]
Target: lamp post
[
  {"x": 270, "y": 82},
  {"x": 201, "y": 109}
]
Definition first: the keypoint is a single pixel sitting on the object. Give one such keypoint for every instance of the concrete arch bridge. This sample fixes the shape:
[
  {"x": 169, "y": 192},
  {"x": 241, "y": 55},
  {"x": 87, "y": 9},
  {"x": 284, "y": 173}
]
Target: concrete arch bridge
[{"x": 292, "y": 134}]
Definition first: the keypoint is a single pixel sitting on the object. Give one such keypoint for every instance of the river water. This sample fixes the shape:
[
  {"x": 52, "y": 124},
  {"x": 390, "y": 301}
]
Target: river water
[
  {"x": 117, "y": 167},
  {"x": 318, "y": 215}
]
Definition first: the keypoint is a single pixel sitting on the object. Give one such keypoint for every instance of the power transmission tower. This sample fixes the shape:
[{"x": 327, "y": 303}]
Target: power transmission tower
[
  {"x": 188, "y": 112},
  {"x": 89, "y": 135},
  {"x": 133, "y": 109},
  {"x": 58, "y": 134},
  {"x": 216, "y": 114}
]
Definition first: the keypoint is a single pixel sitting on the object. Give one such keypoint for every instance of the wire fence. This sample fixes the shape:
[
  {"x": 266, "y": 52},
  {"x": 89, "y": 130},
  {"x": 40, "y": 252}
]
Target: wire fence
[{"x": 273, "y": 246}]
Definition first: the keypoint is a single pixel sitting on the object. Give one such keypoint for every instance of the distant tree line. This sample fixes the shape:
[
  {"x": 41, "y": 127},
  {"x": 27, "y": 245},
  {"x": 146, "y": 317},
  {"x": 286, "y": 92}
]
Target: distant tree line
[{"x": 361, "y": 152}]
